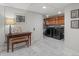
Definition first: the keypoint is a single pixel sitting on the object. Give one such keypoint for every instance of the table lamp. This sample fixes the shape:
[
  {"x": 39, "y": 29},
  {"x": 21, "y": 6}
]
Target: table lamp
[{"x": 10, "y": 21}]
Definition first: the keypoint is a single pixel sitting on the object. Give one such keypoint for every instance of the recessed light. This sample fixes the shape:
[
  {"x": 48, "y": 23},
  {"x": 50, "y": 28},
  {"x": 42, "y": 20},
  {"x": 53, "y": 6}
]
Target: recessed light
[
  {"x": 44, "y": 7},
  {"x": 59, "y": 12}
]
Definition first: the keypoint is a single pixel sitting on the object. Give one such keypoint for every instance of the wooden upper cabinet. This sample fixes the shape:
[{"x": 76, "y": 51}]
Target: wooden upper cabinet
[
  {"x": 57, "y": 20},
  {"x": 61, "y": 20}
]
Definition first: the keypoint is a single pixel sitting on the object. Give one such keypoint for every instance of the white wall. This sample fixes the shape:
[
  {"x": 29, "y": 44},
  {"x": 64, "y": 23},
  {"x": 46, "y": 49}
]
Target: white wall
[
  {"x": 32, "y": 20},
  {"x": 71, "y": 35},
  {"x": 11, "y": 13},
  {"x": 1, "y": 25},
  {"x": 35, "y": 21}
]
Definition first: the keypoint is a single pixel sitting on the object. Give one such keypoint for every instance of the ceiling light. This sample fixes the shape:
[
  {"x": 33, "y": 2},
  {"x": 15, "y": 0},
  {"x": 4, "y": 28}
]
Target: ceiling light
[
  {"x": 44, "y": 7},
  {"x": 59, "y": 12}
]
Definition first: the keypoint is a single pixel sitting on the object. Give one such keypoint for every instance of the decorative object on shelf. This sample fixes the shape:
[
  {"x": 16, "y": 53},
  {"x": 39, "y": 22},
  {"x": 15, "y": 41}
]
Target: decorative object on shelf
[
  {"x": 75, "y": 13},
  {"x": 17, "y": 29},
  {"x": 74, "y": 23},
  {"x": 20, "y": 18},
  {"x": 9, "y": 21}
]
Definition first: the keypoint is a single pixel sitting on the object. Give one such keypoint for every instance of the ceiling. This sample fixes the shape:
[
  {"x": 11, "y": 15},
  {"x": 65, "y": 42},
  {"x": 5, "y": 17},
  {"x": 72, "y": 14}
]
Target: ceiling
[{"x": 50, "y": 9}]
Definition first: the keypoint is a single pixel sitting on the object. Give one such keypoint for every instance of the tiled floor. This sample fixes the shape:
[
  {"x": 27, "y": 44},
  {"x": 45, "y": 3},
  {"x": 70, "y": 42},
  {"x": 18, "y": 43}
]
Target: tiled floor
[{"x": 46, "y": 47}]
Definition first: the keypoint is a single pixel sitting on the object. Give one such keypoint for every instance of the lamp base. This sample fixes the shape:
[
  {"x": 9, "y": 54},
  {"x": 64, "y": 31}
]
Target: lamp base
[{"x": 10, "y": 30}]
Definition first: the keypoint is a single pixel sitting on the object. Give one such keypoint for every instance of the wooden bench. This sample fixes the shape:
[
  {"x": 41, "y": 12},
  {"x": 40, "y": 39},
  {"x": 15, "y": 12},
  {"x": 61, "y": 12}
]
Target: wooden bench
[{"x": 19, "y": 40}]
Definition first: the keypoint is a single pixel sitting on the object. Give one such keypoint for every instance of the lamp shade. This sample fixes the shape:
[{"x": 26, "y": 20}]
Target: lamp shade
[{"x": 9, "y": 21}]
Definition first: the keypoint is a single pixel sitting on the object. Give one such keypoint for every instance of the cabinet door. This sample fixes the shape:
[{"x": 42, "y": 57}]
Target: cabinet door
[
  {"x": 53, "y": 21},
  {"x": 48, "y": 21},
  {"x": 61, "y": 20},
  {"x": 56, "y": 21}
]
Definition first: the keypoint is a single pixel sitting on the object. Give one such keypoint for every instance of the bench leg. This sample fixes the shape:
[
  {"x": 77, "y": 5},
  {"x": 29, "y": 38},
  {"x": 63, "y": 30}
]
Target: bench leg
[
  {"x": 27, "y": 42},
  {"x": 12, "y": 47}
]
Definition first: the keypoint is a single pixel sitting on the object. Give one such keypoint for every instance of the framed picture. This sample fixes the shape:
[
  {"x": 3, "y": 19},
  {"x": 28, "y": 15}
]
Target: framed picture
[
  {"x": 20, "y": 18},
  {"x": 75, "y": 13},
  {"x": 75, "y": 24}
]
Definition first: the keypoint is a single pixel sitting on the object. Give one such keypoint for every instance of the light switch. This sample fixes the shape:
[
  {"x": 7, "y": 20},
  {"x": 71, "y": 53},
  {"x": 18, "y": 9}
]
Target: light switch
[{"x": 33, "y": 29}]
